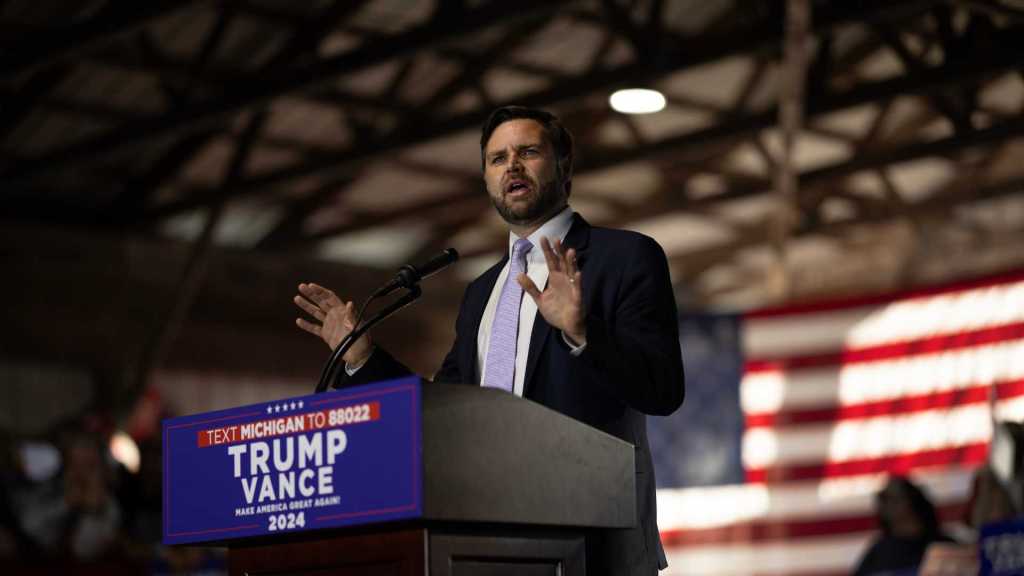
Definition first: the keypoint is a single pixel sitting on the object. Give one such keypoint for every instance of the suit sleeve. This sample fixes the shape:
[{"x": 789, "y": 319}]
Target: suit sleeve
[
  {"x": 381, "y": 365},
  {"x": 634, "y": 353}
]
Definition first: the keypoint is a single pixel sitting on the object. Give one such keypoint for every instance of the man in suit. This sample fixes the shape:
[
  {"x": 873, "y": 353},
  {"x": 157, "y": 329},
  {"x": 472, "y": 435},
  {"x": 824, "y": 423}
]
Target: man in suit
[{"x": 596, "y": 338}]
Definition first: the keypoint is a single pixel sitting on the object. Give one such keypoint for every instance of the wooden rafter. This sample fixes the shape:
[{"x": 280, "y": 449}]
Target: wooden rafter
[{"x": 262, "y": 89}]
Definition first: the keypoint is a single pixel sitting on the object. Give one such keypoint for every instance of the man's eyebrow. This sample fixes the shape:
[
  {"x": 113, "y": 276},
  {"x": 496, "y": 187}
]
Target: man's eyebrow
[{"x": 518, "y": 147}]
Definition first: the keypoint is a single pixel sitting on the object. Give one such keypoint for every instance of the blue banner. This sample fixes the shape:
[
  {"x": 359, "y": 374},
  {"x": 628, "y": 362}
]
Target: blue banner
[
  {"x": 341, "y": 458},
  {"x": 1001, "y": 547}
]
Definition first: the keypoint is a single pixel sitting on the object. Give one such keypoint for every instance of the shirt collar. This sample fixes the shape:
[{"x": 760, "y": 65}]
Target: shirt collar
[{"x": 555, "y": 228}]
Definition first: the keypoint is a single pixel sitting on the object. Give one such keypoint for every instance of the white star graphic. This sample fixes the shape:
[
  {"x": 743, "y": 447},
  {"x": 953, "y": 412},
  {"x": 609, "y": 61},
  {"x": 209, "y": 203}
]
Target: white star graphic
[
  {"x": 300, "y": 403},
  {"x": 270, "y": 409},
  {"x": 293, "y": 405},
  {"x": 277, "y": 408}
]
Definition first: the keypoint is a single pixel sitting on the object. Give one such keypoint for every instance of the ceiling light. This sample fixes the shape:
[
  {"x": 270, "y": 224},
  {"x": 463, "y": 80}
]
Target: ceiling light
[{"x": 637, "y": 101}]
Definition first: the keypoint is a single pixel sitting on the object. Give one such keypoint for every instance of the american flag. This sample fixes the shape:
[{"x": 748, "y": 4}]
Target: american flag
[{"x": 795, "y": 418}]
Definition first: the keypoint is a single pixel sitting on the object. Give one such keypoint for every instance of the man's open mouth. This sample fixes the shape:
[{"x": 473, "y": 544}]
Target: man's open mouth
[{"x": 517, "y": 187}]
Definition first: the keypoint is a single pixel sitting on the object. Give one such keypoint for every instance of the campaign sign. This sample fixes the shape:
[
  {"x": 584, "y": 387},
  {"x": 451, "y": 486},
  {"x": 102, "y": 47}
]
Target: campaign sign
[
  {"x": 340, "y": 458},
  {"x": 1001, "y": 547}
]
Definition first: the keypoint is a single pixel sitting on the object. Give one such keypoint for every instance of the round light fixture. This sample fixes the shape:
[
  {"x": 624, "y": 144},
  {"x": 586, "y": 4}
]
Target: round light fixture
[{"x": 637, "y": 101}]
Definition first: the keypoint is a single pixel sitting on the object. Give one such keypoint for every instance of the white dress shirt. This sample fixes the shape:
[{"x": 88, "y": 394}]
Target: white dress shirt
[{"x": 537, "y": 269}]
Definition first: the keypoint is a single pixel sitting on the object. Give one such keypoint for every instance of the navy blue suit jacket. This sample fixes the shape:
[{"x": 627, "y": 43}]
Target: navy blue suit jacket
[{"x": 631, "y": 366}]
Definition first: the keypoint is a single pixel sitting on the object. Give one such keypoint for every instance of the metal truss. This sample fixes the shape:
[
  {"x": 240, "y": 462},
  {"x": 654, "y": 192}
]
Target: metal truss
[{"x": 948, "y": 51}]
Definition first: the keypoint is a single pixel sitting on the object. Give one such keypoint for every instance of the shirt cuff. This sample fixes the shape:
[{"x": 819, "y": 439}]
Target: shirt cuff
[
  {"x": 574, "y": 350},
  {"x": 351, "y": 370}
]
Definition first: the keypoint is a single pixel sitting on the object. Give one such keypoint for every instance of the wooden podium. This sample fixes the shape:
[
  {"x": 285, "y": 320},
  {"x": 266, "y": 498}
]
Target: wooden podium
[{"x": 508, "y": 487}]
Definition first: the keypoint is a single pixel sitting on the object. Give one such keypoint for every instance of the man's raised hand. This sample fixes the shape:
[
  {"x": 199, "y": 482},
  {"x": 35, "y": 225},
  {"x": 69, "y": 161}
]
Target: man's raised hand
[
  {"x": 333, "y": 320},
  {"x": 561, "y": 302}
]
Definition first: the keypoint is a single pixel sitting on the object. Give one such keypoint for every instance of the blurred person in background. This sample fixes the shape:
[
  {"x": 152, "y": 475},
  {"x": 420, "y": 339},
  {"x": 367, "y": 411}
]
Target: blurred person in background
[
  {"x": 14, "y": 543},
  {"x": 140, "y": 499},
  {"x": 75, "y": 515},
  {"x": 990, "y": 500},
  {"x": 139, "y": 495},
  {"x": 909, "y": 524}
]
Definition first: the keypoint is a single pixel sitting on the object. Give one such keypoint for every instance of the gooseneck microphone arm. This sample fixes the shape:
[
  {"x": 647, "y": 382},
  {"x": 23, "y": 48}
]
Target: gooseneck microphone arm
[
  {"x": 330, "y": 368},
  {"x": 408, "y": 277}
]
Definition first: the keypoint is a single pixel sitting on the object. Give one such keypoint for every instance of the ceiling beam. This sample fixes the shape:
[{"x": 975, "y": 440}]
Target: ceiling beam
[
  {"x": 922, "y": 83},
  {"x": 116, "y": 18},
  {"x": 886, "y": 156},
  {"x": 474, "y": 68},
  {"x": 291, "y": 223},
  {"x": 218, "y": 75},
  {"x": 266, "y": 86},
  {"x": 690, "y": 53},
  {"x": 305, "y": 38},
  {"x": 932, "y": 79},
  {"x": 366, "y": 221},
  {"x": 994, "y": 8},
  {"x": 15, "y": 105},
  {"x": 695, "y": 262}
]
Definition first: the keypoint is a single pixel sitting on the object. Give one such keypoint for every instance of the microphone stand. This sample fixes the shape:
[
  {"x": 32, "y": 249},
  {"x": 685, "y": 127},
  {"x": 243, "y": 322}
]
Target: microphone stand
[{"x": 330, "y": 368}]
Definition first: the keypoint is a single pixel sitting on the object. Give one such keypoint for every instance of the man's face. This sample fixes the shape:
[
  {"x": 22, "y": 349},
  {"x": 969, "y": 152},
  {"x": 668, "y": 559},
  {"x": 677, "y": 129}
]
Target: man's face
[{"x": 520, "y": 171}]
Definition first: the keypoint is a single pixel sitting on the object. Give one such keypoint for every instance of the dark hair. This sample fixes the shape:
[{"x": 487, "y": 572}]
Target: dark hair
[
  {"x": 557, "y": 133},
  {"x": 919, "y": 503}
]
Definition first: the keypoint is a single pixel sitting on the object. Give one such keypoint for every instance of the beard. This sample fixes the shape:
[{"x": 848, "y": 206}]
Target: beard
[{"x": 548, "y": 200}]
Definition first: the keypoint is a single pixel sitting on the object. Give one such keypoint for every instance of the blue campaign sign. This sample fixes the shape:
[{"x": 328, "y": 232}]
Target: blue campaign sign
[
  {"x": 1001, "y": 547},
  {"x": 341, "y": 458}
]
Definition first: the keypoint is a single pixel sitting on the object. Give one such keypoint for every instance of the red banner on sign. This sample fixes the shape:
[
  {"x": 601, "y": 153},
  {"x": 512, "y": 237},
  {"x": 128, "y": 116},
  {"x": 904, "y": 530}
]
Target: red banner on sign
[{"x": 290, "y": 424}]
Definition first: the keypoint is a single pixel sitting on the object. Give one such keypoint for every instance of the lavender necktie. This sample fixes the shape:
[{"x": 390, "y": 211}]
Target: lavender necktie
[{"x": 501, "y": 349}]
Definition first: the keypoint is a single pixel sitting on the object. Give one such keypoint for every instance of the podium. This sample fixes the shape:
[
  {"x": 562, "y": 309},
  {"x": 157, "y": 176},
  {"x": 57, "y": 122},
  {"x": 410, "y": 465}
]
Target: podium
[{"x": 425, "y": 478}]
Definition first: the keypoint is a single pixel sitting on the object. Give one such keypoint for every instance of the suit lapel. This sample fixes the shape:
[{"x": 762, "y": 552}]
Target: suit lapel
[
  {"x": 578, "y": 238},
  {"x": 476, "y": 303}
]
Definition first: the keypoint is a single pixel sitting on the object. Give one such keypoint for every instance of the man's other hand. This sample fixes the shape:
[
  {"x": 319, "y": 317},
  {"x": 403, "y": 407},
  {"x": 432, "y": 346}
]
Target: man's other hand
[{"x": 333, "y": 320}]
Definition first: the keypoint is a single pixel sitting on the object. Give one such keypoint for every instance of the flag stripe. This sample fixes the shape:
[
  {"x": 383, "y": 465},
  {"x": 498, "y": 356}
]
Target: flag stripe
[
  {"x": 763, "y": 531},
  {"x": 807, "y": 555},
  {"x": 896, "y": 406},
  {"x": 717, "y": 506},
  {"x": 869, "y": 437},
  {"x": 932, "y": 344},
  {"x": 864, "y": 326},
  {"x": 877, "y": 436},
  {"x": 968, "y": 455},
  {"x": 845, "y": 572},
  {"x": 792, "y": 312},
  {"x": 813, "y": 388}
]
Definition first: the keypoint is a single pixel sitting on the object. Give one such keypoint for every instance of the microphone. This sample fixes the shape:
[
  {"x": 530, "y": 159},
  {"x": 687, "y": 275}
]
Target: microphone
[{"x": 409, "y": 275}]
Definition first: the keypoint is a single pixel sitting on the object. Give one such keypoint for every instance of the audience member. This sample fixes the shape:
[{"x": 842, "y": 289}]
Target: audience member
[
  {"x": 75, "y": 514},
  {"x": 908, "y": 524}
]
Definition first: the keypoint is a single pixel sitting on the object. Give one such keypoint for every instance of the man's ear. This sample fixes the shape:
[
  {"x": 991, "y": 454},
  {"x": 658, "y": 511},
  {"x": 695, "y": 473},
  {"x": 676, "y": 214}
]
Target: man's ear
[{"x": 565, "y": 174}]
